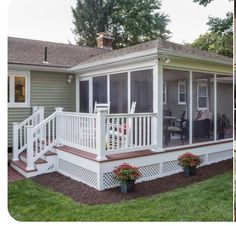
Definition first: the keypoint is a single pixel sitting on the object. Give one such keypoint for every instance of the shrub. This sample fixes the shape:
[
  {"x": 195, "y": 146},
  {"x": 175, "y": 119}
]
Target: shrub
[{"x": 189, "y": 159}]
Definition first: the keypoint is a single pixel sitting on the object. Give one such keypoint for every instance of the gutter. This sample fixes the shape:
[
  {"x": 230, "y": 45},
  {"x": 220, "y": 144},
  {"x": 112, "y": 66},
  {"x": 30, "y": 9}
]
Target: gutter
[
  {"x": 147, "y": 53},
  {"x": 39, "y": 68},
  {"x": 126, "y": 57}
]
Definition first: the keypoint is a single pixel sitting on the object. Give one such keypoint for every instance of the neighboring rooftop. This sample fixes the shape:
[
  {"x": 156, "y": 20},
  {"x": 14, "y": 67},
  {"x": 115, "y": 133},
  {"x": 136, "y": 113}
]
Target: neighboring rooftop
[
  {"x": 160, "y": 45},
  {"x": 31, "y": 52}
]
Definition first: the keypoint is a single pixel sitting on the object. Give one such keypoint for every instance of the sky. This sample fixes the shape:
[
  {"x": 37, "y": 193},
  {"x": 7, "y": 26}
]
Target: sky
[{"x": 51, "y": 20}]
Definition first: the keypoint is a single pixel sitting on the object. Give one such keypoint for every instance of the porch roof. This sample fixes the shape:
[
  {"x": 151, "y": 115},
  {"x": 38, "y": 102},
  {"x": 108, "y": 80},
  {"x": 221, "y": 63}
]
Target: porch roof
[
  {"x": 161, "y": 47},
  {"x": 73, "y": 57}
]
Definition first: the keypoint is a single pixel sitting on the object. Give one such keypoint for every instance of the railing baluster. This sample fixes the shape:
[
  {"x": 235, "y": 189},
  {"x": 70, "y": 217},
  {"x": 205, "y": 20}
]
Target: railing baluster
[
  {"x": 144, "y": 131},
  {"x": 148, "y": 130}
]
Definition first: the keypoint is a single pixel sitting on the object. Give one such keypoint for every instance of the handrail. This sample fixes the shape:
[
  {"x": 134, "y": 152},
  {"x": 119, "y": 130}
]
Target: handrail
[
  {"x": 20, "y": 132},
  {"x": 45, "y": 121},
  {"x": 41, "y": 138},
  {"x": 131, "y": 115},
  {"x": 29, "y": 119}
]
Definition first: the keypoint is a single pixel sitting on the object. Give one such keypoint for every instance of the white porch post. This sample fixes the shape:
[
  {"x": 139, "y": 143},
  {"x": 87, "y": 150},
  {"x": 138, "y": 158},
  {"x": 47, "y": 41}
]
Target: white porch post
[
  {"x": 30, "y": 147},
  {"x": 101, "y": 134},
  {"x": 41, "y": 113},
  {"x": 15, "y": 141},
  {"x": 34, "y": 109},
  {"x": 159, "y": 104},
  {"x": 58, "y": 125}
]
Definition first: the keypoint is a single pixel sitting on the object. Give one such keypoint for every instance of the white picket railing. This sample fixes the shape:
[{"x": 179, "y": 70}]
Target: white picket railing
[
  {"x": 41, "y": 138},
  {"x": 130, "y": 132},
  {"x": 101, "y": 133},
  {"x": 20, "y": 131},
  {"x": 78, "y": 130}
]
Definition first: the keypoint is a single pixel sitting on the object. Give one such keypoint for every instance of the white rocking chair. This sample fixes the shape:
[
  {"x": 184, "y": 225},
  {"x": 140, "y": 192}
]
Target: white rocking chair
[
  {"x": 101, "y": 105},
  {"x": 122, "y": 132}
]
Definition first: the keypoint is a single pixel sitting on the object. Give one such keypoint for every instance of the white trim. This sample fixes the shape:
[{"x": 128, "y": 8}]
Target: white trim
[
  {"x": 129, "y": 90},
  {"x": 120, "y": 59},
  {"x": 147, "y": 53},
  {"x": 12, "y": 66},
  {"x": 215, "y": 107},
  {"x": 181, "y": 83},
  {"x": 191, "y": 107},
  {"x": 19, "y": 73},
  {"x": 202, "y": 83},
  {"x": 164, "y": 92}
]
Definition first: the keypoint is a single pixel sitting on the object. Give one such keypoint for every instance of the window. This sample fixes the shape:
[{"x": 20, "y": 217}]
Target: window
[
  {"x": 181, "y": 92},
  {"x": 164, "y": 93},
  {"x": 18, "y": 89},
  {"x": 202, "y": 95},
  {"x": 100, "y": 89},
  {"x": 142, "y": 90},
  {"x": 119, "y": 93}
]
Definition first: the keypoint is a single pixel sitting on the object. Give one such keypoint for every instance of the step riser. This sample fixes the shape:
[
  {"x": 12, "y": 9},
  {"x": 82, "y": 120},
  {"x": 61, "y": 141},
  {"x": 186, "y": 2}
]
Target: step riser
[
  {"x": 22, "y": 172},
  {"x": 24, "y": 159}
]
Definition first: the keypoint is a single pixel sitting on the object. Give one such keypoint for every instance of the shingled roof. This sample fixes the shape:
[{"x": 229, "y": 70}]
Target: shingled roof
[
  {"x": 31, "y": 52},
  {"x": 159, "y": 45}
]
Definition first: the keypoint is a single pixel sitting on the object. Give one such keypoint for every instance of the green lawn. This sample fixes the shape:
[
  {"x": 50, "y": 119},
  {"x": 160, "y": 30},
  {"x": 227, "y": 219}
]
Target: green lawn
[{"x": 210, "y": 200}]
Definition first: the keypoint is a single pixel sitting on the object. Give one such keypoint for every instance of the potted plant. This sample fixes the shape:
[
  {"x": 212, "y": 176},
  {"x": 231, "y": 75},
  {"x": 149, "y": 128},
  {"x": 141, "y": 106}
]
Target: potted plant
[
  {"x": 126, "y": 175},
  {"x": 189, "y": 162}
]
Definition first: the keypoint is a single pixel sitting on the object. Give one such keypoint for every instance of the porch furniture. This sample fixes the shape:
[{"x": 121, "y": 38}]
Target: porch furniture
[
  {"x": 178, "y": 126},
  {"x": 201, "y": 128},
  {"x": 121, "y": 131},
  {"x": 202, "y": 124},
  {"x": 101, "y": 105}
]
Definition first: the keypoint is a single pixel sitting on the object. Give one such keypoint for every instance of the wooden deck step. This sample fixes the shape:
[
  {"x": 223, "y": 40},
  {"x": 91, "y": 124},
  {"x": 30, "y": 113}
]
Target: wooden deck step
[
  {"x": 39, "y": 161},
  {"x": 22, "y": 166},
  {"x": 77, "y": 152},
  {"x": 50, "y": 153},
  {"x": 111, "y": 157}
]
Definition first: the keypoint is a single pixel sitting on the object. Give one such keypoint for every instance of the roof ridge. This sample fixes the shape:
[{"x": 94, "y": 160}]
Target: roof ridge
[{"x": 60, "y": 43}]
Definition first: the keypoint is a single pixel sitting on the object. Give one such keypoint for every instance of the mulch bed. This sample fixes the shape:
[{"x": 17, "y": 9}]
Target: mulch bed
[{"x": 82, "y": 193}]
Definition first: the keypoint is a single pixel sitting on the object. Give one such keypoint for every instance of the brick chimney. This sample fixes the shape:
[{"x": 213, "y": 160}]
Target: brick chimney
[{"x": 104, "y": 40}]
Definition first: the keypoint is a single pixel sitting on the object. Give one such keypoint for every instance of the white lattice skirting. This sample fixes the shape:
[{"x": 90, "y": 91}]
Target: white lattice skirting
[{"x": 100, "y": 175}]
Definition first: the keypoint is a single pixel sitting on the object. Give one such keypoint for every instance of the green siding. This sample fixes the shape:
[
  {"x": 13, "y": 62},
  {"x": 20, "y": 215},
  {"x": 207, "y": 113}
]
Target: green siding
[{"x": 47, "y": 89}]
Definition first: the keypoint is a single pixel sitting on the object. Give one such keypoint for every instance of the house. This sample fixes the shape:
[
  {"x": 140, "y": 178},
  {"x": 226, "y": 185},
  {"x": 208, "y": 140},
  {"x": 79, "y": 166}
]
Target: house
[{"x": 181, "y": 101}]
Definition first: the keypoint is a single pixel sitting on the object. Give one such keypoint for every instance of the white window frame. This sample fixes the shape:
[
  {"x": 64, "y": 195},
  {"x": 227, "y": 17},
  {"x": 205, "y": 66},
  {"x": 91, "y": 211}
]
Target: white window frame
[
  {"x": 164, "y": 92},
  {"x": 202, "y": 83},
  {"x": 19, "y": 73},
  {"x": 182, "y": 83}
]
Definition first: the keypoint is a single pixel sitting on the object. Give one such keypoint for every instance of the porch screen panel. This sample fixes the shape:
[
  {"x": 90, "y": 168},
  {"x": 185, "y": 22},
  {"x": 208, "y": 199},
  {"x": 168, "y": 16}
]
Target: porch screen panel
[
  {"x": 142, "y": 90},
  {"x": 119, "y": 93},
  {"x": 84, "y": 96},
  {"x": 203, "y": 107},
  {"x": 224, "y": 107},
  {"x": 100, "y": 89},
  {"x": 176, "y": 107}
]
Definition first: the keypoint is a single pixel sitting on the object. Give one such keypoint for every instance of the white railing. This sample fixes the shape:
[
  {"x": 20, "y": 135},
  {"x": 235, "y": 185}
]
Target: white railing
[
  {"x": 20, "y": 131},
  {"x": 130, "y": 132},
  {"x": 41, "y": 138},
  {"x": 78, "y": 130},
  {"x": 101, "y": 133}
]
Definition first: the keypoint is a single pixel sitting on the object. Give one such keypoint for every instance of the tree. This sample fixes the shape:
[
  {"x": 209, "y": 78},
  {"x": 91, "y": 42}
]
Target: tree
[
  {"x": 89, "y": 19},
  {"x": 205, "y": 2},
  {"x": 219, "y": 38},
  {"x": 129, "y": 21}
]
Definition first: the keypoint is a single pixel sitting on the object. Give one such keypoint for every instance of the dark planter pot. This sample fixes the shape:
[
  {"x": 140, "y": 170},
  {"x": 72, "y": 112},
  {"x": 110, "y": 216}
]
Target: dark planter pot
[
  {"x": 188, "y": 171},
  {"x": 127, "y": 187}
]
